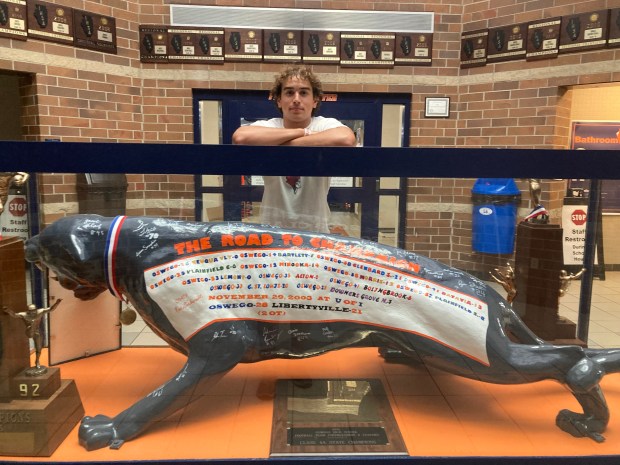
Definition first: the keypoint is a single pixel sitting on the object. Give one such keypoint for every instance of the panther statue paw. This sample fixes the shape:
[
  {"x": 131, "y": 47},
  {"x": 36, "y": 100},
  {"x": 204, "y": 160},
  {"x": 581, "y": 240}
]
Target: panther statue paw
[
  {"x": 97, "y": 432},
  {"x": 580, "y": 425}
]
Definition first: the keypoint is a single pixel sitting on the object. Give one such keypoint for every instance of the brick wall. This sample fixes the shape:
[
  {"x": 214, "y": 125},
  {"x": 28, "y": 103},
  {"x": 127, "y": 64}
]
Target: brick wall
[{"x": 80, "y": 95}]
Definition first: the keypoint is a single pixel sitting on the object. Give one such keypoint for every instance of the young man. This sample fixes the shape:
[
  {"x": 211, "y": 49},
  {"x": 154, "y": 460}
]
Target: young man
[{"x": 292, "y": 201}]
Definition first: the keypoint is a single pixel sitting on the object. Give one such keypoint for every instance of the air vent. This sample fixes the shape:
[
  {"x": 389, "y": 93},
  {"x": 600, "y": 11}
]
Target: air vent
[{"x": 301, "y": 19}]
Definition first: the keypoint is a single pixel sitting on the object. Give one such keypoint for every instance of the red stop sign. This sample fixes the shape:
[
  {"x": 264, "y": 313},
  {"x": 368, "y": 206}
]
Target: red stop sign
[
  {"x": 578, "y": 217},
  {"x": 18, "y": 206}
]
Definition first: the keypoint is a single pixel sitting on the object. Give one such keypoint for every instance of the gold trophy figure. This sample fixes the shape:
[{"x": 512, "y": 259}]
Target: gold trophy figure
[{"x": 32, "y": 318}]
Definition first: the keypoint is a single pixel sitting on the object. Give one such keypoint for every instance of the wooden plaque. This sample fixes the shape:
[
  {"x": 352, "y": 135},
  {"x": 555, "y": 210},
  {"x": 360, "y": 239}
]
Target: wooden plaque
[
  {"x": 281, "y": 46},
  {"x": 613, "y": 36},
  {"x": 586, "y": 31},
  {"x": 94, "y": 31},
  {"x": 543, "y": 39},
  {"x": 507, "y": 43},
  {"x": 153, "y": 44},
  {"x": 50, "y": 22},
  {"x": 195, "y": 45},
  {"x": 35, "y": 428},
  {"x": 334, "y": 417},
  {"x": 321, "y": 47},
  {"x": 13, "y": 19},
  {"x": 243, "y": 45},
  {"x": 413, "y": 49},
  {"x": 474, "y": 48},
  {"x": 367, "y": 49}
]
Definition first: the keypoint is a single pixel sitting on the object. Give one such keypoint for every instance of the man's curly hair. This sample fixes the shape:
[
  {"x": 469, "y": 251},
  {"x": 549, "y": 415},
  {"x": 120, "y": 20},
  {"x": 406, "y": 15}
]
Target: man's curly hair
[{"x": 301, "y": 72}]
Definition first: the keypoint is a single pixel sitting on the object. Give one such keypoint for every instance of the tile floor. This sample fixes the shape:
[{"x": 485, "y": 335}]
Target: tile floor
[{"x": 604, "y": 330}]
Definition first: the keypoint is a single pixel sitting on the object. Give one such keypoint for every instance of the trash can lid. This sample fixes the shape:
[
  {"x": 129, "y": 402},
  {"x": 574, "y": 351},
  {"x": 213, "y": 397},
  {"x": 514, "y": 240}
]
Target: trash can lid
[{"x": 495, "y": 186}]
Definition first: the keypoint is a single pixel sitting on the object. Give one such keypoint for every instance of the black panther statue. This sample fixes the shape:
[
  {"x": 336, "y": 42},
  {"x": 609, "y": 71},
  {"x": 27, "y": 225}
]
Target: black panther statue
[{"x": 229, "y": 293}]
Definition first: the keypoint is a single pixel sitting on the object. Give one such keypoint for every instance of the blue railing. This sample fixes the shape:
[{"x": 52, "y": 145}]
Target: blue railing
[{"x": 74, "y": 157}]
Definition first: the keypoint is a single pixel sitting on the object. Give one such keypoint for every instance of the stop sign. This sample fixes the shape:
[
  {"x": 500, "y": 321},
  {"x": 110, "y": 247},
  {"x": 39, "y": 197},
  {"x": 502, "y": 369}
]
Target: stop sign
[
  {"x": 18, "y": 206},
  {"x": 578, "y": 217}
]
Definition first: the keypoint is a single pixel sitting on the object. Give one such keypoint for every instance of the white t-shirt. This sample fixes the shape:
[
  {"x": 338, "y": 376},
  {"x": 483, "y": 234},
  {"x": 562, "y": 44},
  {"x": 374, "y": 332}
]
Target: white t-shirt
[{"x": 305, "y": 206}]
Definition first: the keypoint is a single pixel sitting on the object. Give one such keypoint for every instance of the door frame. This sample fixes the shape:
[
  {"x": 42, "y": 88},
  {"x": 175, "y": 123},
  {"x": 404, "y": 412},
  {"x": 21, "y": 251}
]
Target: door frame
[{"x": 257, "y": 104}]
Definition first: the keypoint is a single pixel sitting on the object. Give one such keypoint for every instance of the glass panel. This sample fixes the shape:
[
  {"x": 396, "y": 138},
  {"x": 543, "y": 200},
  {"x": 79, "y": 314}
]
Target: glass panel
[
  {"x": 211, "y": 122},
  {"x": 250, "y": 212},
  {"x": 357, "y": 126},
  {"x": 328, "y": 278},
  {"x": 212, "y": 207},
  {"x": 211, "y": 133},
  {"x": 393, "y": 125},
  {"x": 392, "y": 135},
  {"x": 388, "y": 219},
  {"x": 346, "y": 219},
  {"x": 212, "y": 180}
]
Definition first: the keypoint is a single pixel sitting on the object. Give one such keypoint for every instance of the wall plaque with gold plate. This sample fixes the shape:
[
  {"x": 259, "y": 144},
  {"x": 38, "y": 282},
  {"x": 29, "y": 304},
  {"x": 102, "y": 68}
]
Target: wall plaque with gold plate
[
  {"x": 507, "y": 43},
  {"x": 413, "y": 49},
  {"x": 13, "y": 19},
  {"x": 543, "y": 39},
  {"x": 243, "y": 44},
  {"x": 94, "y": 31},
  {"x": 613, "y": 35},
  {"x": 474, "y": 48},
  {"x": 153, "y": 43},
  {"x": 52, "y": 22},
  {"x": 367, "y": 49},
  {"x": 585, "y": 31},
  {"x": 321, "y": 47}
]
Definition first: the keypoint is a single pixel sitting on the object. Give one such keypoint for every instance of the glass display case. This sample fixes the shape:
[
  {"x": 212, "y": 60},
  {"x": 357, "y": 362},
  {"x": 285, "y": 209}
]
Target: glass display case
[{"x": 173, "y": 326}]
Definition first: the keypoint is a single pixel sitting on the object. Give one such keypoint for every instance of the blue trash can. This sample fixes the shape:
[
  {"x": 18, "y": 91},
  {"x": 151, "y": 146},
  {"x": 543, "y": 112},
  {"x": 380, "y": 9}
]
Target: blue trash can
[{"x": 494, "y": 216}]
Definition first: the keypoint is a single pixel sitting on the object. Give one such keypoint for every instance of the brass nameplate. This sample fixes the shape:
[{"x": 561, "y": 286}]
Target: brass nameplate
[{"x": 334, "y": 417}]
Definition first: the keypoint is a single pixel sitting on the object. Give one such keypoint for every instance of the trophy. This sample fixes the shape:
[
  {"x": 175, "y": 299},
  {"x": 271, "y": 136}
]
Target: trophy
[
  {"x": 33, "y": 318},
  {"x": 539, "y": 214},
  {"x": 42, "y": 407},
  {"x": 538, "y": 278}
]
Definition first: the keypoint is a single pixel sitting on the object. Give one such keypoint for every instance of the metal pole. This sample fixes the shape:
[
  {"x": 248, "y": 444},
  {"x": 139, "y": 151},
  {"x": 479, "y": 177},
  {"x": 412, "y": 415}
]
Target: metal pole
[{"x": 592, "y": 226}]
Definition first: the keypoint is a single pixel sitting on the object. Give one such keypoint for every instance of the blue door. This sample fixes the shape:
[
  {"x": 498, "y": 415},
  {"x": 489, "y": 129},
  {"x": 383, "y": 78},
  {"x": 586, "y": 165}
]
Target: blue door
[{"x": 355, "y": 202}]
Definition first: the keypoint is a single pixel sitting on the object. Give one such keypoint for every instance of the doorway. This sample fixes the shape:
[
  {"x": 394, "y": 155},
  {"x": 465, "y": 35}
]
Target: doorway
[
  {"x": 367, "y": 207},
  {"x": 10, "y": 118}
]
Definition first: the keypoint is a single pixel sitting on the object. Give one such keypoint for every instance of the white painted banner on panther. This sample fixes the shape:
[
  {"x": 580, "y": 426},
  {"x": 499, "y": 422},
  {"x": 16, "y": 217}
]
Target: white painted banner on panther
[{"x": 284, "y": 285}]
